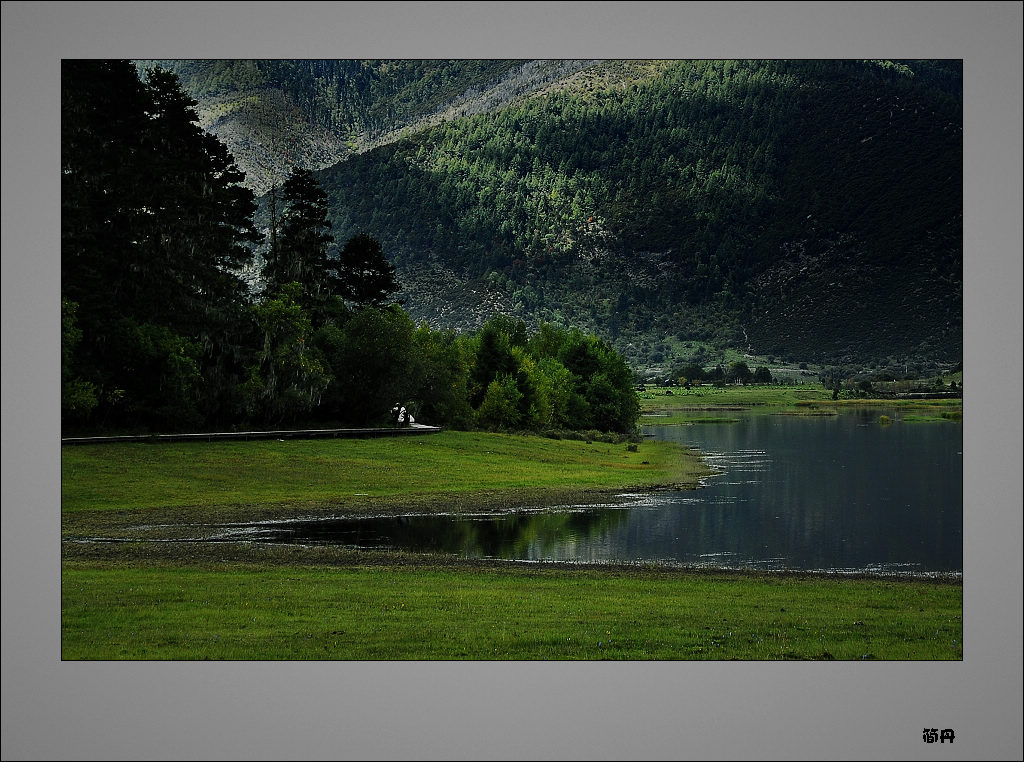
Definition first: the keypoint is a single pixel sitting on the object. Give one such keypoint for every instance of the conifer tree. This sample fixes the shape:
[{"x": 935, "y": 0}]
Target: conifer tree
[
  {"x": 369, "y": 279},
  {"x": 302, "y": 242},
  {"x": 202, "y": 215},
  {"x": 103, "y": 121},
  {"x": 155, "y": 225}
]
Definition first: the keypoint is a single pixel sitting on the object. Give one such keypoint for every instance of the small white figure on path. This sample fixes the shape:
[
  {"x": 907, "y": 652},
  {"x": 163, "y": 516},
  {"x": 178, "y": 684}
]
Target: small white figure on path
[{"x": 402, "y": 416}]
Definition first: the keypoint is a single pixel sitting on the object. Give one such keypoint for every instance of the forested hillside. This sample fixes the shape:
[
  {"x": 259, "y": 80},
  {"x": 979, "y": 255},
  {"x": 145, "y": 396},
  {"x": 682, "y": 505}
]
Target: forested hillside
[
  {"x": 809, "y": 210},
  {"x": 280, "y": 114}
]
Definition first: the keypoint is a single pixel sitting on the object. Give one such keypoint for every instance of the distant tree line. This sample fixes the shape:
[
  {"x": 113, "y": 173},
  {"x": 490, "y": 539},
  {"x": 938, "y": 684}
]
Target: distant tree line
[
  {"x": 160, "y": 331},
  {"x": 738, "y": 372}
]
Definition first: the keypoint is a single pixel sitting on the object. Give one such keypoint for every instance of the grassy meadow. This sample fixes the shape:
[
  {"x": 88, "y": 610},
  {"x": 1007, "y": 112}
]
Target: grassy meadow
[
  {"x": 478, "y": 611},
  {"x": 450, "y": 471}
]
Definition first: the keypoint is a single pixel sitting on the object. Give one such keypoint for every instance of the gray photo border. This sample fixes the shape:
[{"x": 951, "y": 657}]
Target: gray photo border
[{"x": 57, "y": 710}]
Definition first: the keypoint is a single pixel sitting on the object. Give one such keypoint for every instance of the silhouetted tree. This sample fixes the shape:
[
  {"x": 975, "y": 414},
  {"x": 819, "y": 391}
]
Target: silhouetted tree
[
  {"x": 155, "y": 228},
  {"x": 302, "y": 241},
  {"x": 368, "y": 277}
]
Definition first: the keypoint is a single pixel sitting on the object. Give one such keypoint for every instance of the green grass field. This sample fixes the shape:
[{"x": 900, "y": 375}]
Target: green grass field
[
  {"x": 354, "y": 472},
  {"x": 257, "y": 611}
]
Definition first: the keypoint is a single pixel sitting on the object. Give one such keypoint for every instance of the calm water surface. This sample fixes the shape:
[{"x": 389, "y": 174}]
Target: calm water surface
[{"x": 840, "y": 493}]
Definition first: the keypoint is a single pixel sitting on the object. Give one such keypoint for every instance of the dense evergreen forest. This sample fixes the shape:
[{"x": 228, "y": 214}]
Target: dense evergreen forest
[
  {"x": 809, "y": 210},
  {"x": 160, "y": 332}
]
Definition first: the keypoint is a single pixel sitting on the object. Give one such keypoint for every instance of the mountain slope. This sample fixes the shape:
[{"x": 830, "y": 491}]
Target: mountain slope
[
  {"x": 809, "y": 209},
  {"x": 279, "y": 114}
]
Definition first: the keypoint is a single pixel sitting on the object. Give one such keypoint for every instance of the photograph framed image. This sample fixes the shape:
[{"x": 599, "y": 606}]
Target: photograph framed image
[{"x": 638, "y": 359}]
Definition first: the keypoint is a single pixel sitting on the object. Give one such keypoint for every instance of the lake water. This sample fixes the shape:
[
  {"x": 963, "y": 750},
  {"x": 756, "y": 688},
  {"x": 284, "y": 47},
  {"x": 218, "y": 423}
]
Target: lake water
[{"x": 836, "y": 493}]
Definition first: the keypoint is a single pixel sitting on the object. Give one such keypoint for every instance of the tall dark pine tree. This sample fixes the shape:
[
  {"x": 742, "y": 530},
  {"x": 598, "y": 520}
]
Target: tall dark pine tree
[
  {"x": 368, "y": 276},
  {"x": 103, "y": 122},
  {"x": 202, "y": 214},
  {"x": 300, "y": 255},
  {"x": 155, "y": 225}
]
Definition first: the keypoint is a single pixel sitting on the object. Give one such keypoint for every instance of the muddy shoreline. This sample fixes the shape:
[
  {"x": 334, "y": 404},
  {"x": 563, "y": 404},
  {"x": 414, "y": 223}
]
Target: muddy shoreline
[
  {"x": 184, "y": 536},
  {"x": 181, "y": 537},
  {"x": 264, "y": 555},
  {"x": 184, "y": 521}
]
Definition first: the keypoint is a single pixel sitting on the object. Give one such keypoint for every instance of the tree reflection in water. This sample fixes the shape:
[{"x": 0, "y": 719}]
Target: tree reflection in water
[{"x": 520, "y": 535}]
